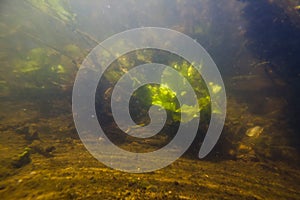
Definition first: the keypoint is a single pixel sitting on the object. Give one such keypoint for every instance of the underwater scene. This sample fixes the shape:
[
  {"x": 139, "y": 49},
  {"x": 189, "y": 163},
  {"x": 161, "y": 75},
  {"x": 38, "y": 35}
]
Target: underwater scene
[{"x": 160, "y": 99}]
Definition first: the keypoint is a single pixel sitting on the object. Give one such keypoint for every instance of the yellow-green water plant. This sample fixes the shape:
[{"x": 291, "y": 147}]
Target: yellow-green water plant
[
  {"x": 162, "y": 96},
  {"x": 42, "y": 68},
  {"x": 55, "y": 8}
]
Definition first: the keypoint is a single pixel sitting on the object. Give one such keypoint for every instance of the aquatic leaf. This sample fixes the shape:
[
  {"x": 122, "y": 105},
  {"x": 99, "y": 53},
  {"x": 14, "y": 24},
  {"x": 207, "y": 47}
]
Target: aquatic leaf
[
  {"x": 162, "y": 96},
  {"x": 188, "y": 112},
  {"x": 215, "y": 88}
]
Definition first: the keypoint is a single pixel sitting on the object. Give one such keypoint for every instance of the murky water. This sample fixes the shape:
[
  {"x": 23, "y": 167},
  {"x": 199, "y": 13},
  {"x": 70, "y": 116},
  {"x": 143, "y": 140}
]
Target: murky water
[{"x": 255, "y": 45}]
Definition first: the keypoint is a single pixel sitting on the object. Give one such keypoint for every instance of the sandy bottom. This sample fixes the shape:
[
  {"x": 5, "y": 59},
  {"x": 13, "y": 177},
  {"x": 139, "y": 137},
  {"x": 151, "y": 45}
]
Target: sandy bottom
[{"x": 60, "y": 167}]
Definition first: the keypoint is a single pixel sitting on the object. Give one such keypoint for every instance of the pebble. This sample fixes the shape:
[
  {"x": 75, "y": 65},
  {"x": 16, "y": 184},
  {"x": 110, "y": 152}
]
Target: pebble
[
  {"x": 254, "y": 131},
  {"x": 33, "y": 173}
]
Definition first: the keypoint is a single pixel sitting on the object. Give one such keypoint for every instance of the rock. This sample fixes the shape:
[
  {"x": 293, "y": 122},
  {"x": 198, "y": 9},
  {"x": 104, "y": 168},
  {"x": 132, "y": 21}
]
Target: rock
[
  {"x": 152, "y": 188},
  {"x": 22, "y": 130},
  {"x": 30, "y": 132},
  {"x": 2, "y": 187},
  {"x": 42, "y": 149},
  {"x": 254, "y": 131}
]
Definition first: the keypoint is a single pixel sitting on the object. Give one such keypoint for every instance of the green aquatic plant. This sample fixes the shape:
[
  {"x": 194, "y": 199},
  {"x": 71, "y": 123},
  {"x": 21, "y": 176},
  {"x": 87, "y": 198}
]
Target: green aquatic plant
[
  {"x": 22, "y": 159},
  {"x": 162, "y": 95},
  {"x": 34, "y": 60},
  {"x": 45, "y": 67},
  {"x": 55, "y": 8}
]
